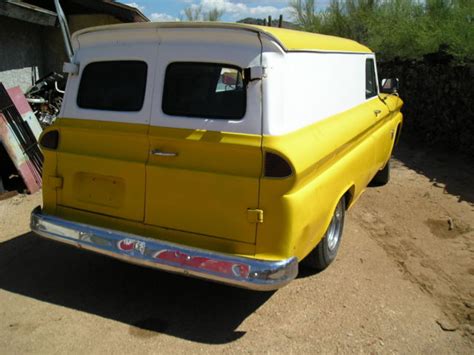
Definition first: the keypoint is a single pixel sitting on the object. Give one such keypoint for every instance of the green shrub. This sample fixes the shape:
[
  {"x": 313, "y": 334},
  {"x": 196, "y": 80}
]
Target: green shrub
[{"x": 406, "y": 29}]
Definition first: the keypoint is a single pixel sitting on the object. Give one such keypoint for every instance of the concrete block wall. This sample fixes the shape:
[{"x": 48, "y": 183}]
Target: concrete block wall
[
  {"x": 27, "y": 48},
  {"x": 20, "y": 52}
]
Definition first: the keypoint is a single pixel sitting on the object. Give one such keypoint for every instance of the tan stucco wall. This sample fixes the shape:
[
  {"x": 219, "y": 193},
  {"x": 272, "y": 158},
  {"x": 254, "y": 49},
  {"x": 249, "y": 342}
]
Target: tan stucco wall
[{"x": 78, "y": 22}]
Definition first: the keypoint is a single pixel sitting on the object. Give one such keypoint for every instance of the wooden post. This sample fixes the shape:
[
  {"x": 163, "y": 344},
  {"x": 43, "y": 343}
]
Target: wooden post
[
  {"x": 280, "y": 21},
  {"x": 269, "y": 21}
]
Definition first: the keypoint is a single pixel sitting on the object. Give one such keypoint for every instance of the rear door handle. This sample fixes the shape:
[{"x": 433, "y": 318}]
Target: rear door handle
[{"x": 161, "y": 153}]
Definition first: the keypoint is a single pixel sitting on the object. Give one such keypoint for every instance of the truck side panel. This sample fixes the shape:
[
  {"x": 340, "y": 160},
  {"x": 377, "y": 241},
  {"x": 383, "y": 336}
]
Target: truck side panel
[{"x": 335, "y": 136}]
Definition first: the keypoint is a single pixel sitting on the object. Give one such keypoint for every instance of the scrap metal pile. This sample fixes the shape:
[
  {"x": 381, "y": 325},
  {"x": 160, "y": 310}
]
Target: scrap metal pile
[{"x": 46, "y": 97}]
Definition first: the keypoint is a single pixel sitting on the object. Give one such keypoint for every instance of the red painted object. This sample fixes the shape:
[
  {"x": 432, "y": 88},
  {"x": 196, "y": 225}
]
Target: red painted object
[
  {"x": 220, "y": 267},
  {"x": 19, "y": 130}
]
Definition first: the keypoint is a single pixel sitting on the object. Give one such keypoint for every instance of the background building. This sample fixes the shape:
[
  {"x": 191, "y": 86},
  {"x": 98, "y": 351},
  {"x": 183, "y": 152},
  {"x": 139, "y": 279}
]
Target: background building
[{"x": 31, "y": 43}]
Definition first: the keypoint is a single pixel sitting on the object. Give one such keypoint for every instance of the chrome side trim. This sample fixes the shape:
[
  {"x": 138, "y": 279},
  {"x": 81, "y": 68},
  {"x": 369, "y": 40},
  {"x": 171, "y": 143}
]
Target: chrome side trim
[
  {"x": 258, "y": 275},
  {"x": 163, "y": 154}
]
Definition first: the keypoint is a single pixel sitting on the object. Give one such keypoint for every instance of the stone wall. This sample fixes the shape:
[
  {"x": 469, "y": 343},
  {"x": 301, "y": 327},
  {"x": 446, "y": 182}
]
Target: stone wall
[
  {"x": 20, "y": 52},
  {"x": 439, "y": 101}
]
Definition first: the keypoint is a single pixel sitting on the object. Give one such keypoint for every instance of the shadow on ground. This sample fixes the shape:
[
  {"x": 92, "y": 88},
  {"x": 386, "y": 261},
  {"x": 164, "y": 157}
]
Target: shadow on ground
[
  {"x": 10, "y": 181},
  {"x": 151, "y": 302},
  {"x": 445, "y": 169}
]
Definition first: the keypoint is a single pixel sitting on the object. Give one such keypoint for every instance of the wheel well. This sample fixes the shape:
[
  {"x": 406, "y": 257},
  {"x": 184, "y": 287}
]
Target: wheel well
[
  {"x": 397, "y": 133},
  {"x": 349, "y": 196}
]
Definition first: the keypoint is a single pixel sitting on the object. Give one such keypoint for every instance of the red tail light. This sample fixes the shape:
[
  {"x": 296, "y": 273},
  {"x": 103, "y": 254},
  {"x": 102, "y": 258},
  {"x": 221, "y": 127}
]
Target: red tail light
[
  {"x": 276, "y": 166},
  {"x": 50, "y": 140}
]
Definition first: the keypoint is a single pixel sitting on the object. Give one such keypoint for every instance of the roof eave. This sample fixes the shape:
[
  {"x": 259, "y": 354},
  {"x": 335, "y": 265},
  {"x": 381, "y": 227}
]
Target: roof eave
[{"x": 28, "y": 13}]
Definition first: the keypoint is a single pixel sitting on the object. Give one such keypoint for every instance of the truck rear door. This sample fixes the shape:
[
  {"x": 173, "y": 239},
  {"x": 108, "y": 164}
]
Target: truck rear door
[
  {"x": 103, "y": 145},
  {"x": 205, "y": 156}
]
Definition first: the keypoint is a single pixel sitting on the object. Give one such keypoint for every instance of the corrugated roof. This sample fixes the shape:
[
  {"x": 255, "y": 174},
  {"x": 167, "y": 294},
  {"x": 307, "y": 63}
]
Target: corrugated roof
[{"x": 289, "y": 40}]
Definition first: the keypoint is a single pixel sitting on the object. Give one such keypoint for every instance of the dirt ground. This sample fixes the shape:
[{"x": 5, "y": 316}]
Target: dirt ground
[{"x": 403, "y": 282}]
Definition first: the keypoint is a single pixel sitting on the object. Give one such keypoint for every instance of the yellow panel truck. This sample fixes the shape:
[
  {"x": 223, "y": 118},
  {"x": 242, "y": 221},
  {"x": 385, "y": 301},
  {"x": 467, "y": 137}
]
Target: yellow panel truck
[{"x": 227, "y": 152}]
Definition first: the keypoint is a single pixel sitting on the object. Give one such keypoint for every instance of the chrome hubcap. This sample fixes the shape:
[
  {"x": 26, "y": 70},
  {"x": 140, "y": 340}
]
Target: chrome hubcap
[{"x": 334, "y": 231}]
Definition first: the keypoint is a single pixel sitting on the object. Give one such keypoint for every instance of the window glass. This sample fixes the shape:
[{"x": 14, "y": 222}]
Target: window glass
[
  {"x": 370, "y": 80},
  {"x": 204, "y": 90},
  {"x": 113, "y": 86}
]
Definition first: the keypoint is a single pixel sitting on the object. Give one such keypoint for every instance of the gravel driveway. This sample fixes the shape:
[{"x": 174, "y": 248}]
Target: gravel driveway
[{"x": 403, "y": 282}]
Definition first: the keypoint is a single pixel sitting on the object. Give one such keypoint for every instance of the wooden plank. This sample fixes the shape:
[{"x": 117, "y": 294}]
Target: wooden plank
[{"x": 9, "y": 194}]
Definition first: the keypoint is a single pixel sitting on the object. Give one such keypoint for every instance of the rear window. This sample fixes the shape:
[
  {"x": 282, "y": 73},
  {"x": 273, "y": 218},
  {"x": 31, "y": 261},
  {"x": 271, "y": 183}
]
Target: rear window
[
  {"x": 113, "y": 86},
  {"x": 204, "y": 90}
]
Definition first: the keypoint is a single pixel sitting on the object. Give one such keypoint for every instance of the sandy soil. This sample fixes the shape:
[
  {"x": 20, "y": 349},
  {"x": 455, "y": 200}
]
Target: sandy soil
[{"x": 402, "y": 283}]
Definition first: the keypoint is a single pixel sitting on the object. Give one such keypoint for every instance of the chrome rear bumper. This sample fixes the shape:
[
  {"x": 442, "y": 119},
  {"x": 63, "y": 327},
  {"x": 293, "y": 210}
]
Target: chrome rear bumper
[{"x": 259, "y": 275}]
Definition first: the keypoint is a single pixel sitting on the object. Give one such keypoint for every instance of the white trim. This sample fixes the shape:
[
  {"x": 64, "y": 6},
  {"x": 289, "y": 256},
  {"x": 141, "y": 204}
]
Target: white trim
[
  {"x": 299, "y": 88},
  {"x": 304, "y": 88}
]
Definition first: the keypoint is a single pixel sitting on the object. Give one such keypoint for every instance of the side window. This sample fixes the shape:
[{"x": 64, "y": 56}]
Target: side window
[
  {"x": 204, "y": 90},
  {"x": 113, "y": 86},
  {"x": 370, "y": 79}
]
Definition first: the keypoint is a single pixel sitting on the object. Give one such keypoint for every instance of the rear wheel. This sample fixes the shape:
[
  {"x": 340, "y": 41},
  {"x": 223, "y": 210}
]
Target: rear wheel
[{"x": 326, "y": 251}]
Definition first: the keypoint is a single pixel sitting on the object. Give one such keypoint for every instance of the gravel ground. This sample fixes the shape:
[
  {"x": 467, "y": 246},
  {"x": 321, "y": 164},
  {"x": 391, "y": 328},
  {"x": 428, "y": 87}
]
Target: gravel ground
[{"x": 402, "y": 283}]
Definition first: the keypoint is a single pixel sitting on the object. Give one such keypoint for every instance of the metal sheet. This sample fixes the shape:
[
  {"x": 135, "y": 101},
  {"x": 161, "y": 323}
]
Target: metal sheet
[{"x": 19, "y": 140}]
